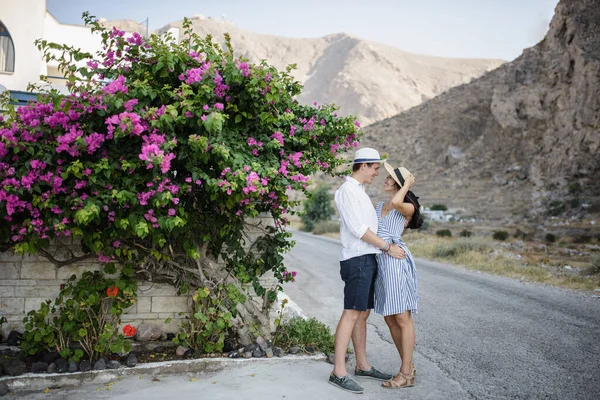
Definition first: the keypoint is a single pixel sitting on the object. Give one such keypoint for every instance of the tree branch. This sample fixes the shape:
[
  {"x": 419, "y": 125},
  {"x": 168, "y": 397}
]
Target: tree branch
[{"x": 62, "y": 263}]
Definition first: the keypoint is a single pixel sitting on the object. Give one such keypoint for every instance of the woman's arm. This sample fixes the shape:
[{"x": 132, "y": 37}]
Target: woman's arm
[{"x": 406, "y": 209}]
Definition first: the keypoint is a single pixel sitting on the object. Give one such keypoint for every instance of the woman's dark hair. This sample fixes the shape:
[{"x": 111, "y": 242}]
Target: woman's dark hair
[{"x": 417, "y": 220}]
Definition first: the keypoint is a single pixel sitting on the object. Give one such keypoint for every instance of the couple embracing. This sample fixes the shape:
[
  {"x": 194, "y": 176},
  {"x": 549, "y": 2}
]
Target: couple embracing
[{"x": 377, "y": 269}]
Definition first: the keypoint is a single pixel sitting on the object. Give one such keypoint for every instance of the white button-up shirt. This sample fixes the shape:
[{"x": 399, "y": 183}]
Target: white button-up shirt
[{"x": 357, "y": 214}]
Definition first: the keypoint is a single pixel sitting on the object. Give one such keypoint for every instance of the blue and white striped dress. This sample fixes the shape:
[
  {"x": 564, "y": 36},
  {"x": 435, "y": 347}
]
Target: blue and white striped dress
[{"x": 396, "y": 282}]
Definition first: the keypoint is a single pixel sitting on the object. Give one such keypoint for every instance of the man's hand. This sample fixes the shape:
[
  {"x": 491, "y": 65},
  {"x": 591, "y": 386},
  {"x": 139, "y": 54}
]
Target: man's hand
[{"x": 397, "y": 252}]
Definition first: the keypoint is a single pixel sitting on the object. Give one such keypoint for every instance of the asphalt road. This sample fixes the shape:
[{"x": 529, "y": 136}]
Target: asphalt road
[{"x": 478, "y": 336}]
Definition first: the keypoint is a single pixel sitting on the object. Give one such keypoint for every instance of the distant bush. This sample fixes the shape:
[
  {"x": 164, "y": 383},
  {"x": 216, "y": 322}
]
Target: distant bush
[
  {"x": 500, "y": 235},
  {"x": 465, "y": 233},
  {"x": 317, "y": 207},
  {"x": 556, "y": 208},
  {"x": 574, "y": 203},
  {"x": 461, "y": 246},
  {"x": 519, "y": 234},
  {"x": 444, "y": 233},
  {"x": 326, "y": 227},
  {"x": 582, "y": 239},
  {"x": 439, "y": 207},
  {"x": 575, "y": 188},
  {"x": 594, "y": 267},
  {"x": 550, "y": 238}
]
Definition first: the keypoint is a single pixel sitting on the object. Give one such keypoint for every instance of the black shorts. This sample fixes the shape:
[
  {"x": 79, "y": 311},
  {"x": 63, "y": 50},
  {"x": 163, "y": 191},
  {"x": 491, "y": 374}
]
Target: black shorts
[{"x": 358, "y": 274}]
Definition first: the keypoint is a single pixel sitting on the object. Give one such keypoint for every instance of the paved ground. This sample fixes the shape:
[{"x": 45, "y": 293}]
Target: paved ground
[{"x": 478, "y": 336}]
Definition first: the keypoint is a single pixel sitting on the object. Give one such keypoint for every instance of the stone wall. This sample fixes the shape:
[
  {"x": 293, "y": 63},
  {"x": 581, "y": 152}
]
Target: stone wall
[{"x": 27, "y": 281}]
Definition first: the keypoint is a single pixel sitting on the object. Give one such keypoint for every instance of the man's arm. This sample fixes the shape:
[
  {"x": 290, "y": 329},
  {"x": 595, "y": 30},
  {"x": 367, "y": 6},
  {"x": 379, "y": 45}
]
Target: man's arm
[{"x": 349, "y": 209}]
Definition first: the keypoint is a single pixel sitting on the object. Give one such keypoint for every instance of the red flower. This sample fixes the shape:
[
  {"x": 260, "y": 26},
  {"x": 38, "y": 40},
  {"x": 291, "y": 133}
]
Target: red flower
[
  {"x": 112, "y": 291},
  {"x": 129, "y": 330}
]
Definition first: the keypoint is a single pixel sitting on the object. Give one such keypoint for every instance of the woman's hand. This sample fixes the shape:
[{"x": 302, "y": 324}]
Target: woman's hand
[{"x": 409, "y": 180}]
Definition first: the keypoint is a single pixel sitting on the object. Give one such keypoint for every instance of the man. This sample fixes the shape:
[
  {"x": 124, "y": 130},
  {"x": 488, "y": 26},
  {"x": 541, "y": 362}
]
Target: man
[{"x": 358, "y": 268}]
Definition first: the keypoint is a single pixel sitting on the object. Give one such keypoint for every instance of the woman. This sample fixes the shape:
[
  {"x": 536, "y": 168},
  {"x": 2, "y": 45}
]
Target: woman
[{"x": 396, "y": 284}]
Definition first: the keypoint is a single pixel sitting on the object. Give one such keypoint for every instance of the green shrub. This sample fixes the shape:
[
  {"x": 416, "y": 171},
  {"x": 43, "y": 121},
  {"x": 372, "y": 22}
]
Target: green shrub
[
  {"x": 303, "y": 333},
  {"x": 326, "y": 227},
  {"x": 556, "y": 208},
  {"x": 575, "y": 188},
  {"x": 206, "y": 328},
  {"x": 444, "y": 233},
  {"x": 439, "y": 207},
  {"x": 87, "y": 311},
  {"x": 465, "y": 233},
  {"x": 550, "y": 237},
  {"x": 574, "y": 203},
  {"x": 500, "y": 235},
  {"x": 317, "y": 207}
]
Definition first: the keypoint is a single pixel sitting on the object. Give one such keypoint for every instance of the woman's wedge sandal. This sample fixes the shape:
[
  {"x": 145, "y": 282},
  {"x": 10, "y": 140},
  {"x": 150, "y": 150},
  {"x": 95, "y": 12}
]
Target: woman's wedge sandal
[{"x": 408, "y": 381}]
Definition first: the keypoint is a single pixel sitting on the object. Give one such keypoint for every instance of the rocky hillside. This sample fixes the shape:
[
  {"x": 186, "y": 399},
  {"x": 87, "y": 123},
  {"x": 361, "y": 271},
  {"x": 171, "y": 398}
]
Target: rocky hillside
[
  {"x": 522, "y": 140},
  {"x": 366, "y": 79}
]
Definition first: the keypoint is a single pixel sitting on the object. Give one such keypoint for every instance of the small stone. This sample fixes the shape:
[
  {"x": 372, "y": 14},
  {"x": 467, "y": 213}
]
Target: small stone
[
  {"x": 189, "y": 353},
  {"x": 278, "y": 352},
  {"x": 100, "y": 365},
  {"x": 14, "y": 338},
  {"x": 163, "y": 336},
  {"x": 269, "y": 352},
  {"x": 568, "y": 267},
  {"x": 310, "y": 349},
  {"x": 294, "y": 350},
  {"x": 262, "y": 343},
  {"x": 15, "y": 367},
  {"x": 147, "y": 332},
  {"x": 234, "y": 354},
  {"x": 3, "y": 388},
  {"x": 85, "y": 365},
  {"x": 228, "y": 345},
  {"x": 247, "y": 354},
  {"x": 597, "y": 290},
  {"x": 51, "y": 368},
  {"x": 257, "y": 353},
  {"x": 131, "y": 360},
  {"x": 61, "y": 366},
  {"x": 39, "y": 367},
  {"x": 180, "y": 351},
  {"x": 113, "y": 364},
  {"x": 50, "y": 357},
  {"x": 73, "y": 367},
  {"x": 331, "y": 358},
  {"x": 251, "y": 347}
]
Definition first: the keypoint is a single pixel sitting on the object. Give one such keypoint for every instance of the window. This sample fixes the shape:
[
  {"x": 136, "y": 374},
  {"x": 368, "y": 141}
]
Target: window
[{"x": 7, "y": 51}]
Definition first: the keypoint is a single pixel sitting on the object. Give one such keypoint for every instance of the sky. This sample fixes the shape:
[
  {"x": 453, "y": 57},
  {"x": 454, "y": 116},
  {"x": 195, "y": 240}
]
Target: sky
[{"x": 498, "y": 29}]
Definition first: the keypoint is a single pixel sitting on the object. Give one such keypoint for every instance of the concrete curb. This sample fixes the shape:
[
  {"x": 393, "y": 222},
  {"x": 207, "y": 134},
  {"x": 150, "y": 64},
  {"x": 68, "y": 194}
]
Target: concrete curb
[{"x": 38, "y": 382}]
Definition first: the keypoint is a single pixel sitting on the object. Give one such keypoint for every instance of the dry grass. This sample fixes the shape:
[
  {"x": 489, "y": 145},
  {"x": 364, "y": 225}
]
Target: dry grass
[{"x": 485, "y": 255}]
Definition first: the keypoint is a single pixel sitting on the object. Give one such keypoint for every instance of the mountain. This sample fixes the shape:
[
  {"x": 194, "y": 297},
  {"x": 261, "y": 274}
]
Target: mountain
[
  {"x": 366, "y": 79},
  {"x": 522, "y": 141}
]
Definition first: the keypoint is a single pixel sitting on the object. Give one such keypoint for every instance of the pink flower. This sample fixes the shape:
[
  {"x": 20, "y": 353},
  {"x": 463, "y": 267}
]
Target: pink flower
[
  {"x": 219, "y": 106},
  {"x": 172, "y": 212},
  {"x": 278, "y": 136}
]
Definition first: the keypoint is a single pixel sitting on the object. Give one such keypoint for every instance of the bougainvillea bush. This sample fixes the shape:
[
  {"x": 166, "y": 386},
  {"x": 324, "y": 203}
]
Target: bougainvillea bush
[{"x": 158, "y": 156}]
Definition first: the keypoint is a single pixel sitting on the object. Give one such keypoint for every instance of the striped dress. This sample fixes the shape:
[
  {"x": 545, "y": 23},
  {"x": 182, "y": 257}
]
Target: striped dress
[{"x": 396, "y": 282}]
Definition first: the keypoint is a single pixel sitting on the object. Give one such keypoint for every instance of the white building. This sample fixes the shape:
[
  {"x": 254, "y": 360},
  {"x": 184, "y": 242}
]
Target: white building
[{"x": 21, "y": 23}]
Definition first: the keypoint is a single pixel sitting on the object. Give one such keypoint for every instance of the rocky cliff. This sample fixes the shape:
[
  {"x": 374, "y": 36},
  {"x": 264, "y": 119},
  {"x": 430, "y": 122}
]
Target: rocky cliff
[{"x": 522, "y": 140}]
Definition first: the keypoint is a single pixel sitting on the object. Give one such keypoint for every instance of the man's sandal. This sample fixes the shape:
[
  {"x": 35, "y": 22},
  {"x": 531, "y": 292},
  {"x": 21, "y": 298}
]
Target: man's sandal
[{"x": 409, "y": 380}]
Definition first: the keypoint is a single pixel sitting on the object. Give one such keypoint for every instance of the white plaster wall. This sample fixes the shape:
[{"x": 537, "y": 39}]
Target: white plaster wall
[{"x": 24, "y": 20}]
